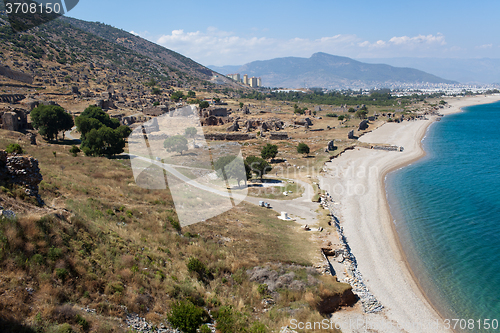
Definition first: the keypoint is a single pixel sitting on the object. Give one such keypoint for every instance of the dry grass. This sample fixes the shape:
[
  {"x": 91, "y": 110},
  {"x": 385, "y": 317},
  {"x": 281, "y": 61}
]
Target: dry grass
[{"x": 102, "y": 242}]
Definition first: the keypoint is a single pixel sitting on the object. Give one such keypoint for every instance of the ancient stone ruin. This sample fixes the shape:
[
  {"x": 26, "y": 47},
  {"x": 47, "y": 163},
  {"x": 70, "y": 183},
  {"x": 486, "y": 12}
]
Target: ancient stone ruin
[
  {"x": 21, "y": 170},
  {"x": 13, "y": 119},
  {"x": 363, "y": 125},
  {"x": 350, "y": 135},
  {"x": 155, "y": 111},
  {"x": 230, "y": 136},
  {"x": 278, "y": 136},
  {"x": 214, "y": 116}
]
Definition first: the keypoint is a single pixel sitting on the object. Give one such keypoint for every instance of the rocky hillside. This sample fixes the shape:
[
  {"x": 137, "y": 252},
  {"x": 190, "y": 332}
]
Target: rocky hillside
[{"x": 126, "y": 59}]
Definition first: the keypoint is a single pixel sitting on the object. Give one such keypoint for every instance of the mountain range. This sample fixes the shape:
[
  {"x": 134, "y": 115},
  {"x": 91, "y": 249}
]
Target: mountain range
[
  {"x": 330, "y": 71},
  {"x": 467, "y": 71}
]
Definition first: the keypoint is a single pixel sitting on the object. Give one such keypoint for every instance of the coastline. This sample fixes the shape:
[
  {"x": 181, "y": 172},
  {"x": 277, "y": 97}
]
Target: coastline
[{"x": 356, "y": 184}]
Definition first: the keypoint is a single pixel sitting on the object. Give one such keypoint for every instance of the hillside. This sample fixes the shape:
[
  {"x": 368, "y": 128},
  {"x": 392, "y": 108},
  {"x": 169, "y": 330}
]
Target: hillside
[
  {"x": 329, "y": 71},
  {"x": 97, "y": 54}
]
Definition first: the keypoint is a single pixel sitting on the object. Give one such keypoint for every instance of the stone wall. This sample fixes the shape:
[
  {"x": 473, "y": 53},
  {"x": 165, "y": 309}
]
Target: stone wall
[
  {"x": 230, "y": 136},
  {"x": 13, "y": 120},
  {"x": 21, "y": 170},
  {"x": 278, "y": 136},
  {"x": 16, "y": 75}
]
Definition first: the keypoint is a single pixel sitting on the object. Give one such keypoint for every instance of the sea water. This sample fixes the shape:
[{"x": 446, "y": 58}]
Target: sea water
[{"x": 446, "y": 209}]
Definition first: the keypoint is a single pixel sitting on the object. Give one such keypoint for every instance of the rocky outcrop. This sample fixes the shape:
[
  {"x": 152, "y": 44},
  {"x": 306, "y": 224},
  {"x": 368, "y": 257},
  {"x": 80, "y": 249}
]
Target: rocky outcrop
[
  {"x": 331, "y": 302},
  {"x": 21, "y": 170}
]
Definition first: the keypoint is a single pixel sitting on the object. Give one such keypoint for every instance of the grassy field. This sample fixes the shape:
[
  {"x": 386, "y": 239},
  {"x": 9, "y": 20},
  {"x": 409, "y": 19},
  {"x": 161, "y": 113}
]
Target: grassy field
[{"x": 103, "y": 242}]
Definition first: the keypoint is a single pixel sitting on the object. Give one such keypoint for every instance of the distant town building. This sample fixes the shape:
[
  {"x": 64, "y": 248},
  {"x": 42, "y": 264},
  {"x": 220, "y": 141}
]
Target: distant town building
[
  {"x": 252, "y": 82},
  {"x": 235, "y": 77}
]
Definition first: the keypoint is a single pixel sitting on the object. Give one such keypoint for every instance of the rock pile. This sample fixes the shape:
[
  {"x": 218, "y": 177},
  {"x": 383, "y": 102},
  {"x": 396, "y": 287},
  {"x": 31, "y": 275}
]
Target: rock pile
[{"x": 354, "y": 276}]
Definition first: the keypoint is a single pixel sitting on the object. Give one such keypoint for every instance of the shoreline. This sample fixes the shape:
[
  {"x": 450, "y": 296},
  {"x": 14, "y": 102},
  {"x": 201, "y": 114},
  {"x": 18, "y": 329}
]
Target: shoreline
[{"x": 370, "y": 229}]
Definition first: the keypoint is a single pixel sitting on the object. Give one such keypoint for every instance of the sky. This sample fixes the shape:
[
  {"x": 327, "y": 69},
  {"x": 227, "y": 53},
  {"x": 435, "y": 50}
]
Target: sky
[{"x": 237, "y": 32}]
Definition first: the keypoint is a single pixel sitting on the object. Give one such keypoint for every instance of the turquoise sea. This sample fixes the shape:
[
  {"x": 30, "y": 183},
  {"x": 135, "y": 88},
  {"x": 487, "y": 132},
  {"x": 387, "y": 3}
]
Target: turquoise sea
[{"x": 446, "y": 208}]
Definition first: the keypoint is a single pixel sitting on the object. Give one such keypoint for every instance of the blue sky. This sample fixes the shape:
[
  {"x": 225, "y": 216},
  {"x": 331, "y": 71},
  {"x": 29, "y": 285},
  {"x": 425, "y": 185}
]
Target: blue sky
[{"x": 236, "y": 32}]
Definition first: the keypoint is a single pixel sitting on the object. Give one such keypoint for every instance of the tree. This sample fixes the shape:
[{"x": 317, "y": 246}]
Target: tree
[
  {"x": 302, "y": 148},
  {"x": 95, "y": 112},
  {"x": 269, "y": 151},
  {"x": 258, "y": 166},
  {"x": 241, "y": 105},
  {"x": 156, "y": 91},
  {"x": 191, "y": 94},
  {"x": 50, "y": 120},
  {"x": 203, "y": 105},
  {"x": 103, "y": 141},
  {"x": 177, "y": 95},
  {"x": 100, "y": 134},
  {"x": 85, "y": 125},
  {"x": 124, "y": 131},
  {"x": 352, "y": 110},
  {"x": 361, "y": 114},
  {"x": 176, "y": 143},
  {"x": 190, "y": 132},
  {"x": 229, "y": 167}
]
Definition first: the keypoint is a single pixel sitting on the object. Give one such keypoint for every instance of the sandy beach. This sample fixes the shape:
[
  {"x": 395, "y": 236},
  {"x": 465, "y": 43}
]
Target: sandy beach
[{"x": 355, "y": 182}]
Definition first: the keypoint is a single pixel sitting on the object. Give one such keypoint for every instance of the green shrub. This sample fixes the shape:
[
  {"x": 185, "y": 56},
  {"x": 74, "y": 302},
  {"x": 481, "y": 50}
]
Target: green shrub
[
  {"x": 331, "y": 115},
  {"x": 14, "y": 148},
  {"x": 187, "y": 317},
  {"x": 74, "y": 150},
  {"x": 54, "y": 253},
  {"x": 115, "y": 287},
  {"x": 175, "y": 224},
  {"x": 228, "y": 320},
  {"x": 205, "y": 329},
  {"x": 263, "y": 289},
  {"x": 195, "y": 265},
  {"x": 63, "y": 328},
  {"x": 62, "y": 273},
  {"x": 38, "y": 259},
  {"x": 82, "y": 322},
  {"x": 258, "y": 328}
]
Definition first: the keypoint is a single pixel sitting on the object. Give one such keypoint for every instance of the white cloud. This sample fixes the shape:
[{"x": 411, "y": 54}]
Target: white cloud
[
  {"x": 408, "y": 42},
  {"x": 485, "y": 46},
  {"x": 216, "y": 47}
]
